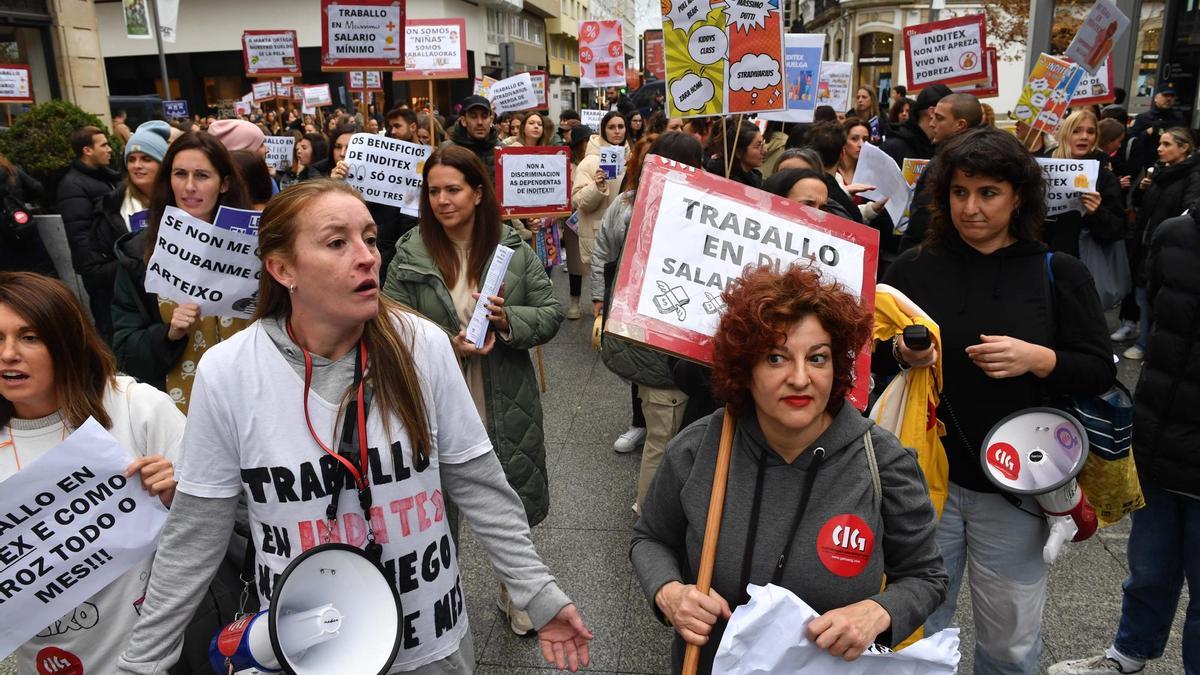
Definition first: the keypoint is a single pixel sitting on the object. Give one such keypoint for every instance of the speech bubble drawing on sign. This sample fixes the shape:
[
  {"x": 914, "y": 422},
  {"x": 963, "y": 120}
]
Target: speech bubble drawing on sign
[
  {"x": 707, "y": 45},
  {"x": 692, "y": 92},
  {"x": 754, "y": 71},
  {"x": 686, "y": 13},
  {"x": 748, "y": 14}
]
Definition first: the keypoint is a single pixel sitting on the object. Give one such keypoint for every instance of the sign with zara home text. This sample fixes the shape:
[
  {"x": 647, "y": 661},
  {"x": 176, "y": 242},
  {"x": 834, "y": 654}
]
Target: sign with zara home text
[
  {"x": 436, "y": 50},
  {"x": 534, "y": 182},
  {"x": 71, "y": 523},
  {"x": 205, "y": 264},
  {"x": 387, "y": 171},
  {"x": 362, "y": 35},
  {"x": 691, "y": 235},
  {"x": 952, "y": 51},
  {"x": 270, "y": 52},
  {"x": 14, "y": 84}
]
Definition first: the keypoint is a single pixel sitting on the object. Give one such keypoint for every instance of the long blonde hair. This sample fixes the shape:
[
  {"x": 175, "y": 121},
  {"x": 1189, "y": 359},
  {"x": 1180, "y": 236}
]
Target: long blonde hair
[
  {"x": 392, "y": 372},
  {"x": 1068, "y": 127}
]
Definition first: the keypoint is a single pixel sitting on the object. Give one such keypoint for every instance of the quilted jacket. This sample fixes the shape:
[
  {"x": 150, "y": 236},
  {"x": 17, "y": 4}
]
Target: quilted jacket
[{"x": 513, "y": 406}]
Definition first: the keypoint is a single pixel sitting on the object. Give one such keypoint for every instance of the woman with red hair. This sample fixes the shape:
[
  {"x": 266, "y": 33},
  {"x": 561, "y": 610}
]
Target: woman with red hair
[{"x": 846, "y": 503}]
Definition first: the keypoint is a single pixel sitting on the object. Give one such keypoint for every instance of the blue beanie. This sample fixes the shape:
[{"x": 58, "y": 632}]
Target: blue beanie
[{"x": 151, "y": 139}]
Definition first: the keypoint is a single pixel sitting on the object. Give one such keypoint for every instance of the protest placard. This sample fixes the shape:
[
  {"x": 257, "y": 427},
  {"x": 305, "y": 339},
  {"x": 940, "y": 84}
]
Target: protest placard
[
  {"x": 280, "y": 151},
  {"x": 591, "y": 118},
  {"x": 262, "y": 91},
  {"x": 693, "y": 232},
  {"x": 316, "y": 96},
  {"x": 287, "y": 79},
  {"x": 833, "y": 89},
  {"x": 533, "y": 182},
  {"x": 138, "y": 220},
  {"x": 723, "y": 58},
  {"x": 912, "y": 170},
  {"x": 241, "y": 221},
  {"x": 483, "y": 86},
  {"x": 513, "y": 93},
  {"x": 71, "y": 523},
  {"x": 242, "y": 108},
  {"x": 1104, "y": 24},
  {"x": 547, "y": 243},
  {"x": 364, "y": 81},
  {"x": 802, "y": 73},
  {"x": 612, "y": 160},
  {"x": 1065, "y": 179},
  {"x": 653, "y": 54},
  {"x": 14, "y": 84},
  {"x": 876, "y": 168},
  {"x": 175, "y": 109},
  {"x": 387, "y": 171},
  {"x": 947, "y": 52},
  {"x": 541, "y": 84},
  {"x": 601, "y": 54},
  {"x": 1047, "y": 93},
  {"x": 270, "y": 52},
  {"x": 1096, "y": 88},
  {"x": 362, "y": 34},
  {"x": 283, "y": 91},
  {"x": 989, "y": 87},
  {"x": 436, "y": 49},
  {"x": 198, "y": 262}
]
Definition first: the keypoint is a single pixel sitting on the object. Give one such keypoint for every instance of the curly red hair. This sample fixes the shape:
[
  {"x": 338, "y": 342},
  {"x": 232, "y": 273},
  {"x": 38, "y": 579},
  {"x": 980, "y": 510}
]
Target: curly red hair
[{"x": 760, "y": 307}]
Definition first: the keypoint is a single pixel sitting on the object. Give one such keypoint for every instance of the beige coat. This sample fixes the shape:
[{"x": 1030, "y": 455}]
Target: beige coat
[{"x": 591, "y": 201}]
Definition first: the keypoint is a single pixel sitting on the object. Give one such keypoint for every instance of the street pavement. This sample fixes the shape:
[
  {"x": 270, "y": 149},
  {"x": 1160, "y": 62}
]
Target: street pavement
[{"x": 585, "y": 542}]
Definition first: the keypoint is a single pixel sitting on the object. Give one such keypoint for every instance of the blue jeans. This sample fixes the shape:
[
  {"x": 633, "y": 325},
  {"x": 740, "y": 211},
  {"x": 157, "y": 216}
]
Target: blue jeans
[
  {"x": 1164, "y": 549},
  {"x": 1144, "y": 318}
]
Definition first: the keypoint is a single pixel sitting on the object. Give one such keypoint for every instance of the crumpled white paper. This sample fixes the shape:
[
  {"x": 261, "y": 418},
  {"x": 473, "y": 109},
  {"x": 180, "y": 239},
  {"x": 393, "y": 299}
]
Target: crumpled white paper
[{"x": 766, "y": 636}]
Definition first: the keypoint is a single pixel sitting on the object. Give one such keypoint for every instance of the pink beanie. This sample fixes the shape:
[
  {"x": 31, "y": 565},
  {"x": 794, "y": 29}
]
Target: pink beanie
[{"x": 237, "y": 134}]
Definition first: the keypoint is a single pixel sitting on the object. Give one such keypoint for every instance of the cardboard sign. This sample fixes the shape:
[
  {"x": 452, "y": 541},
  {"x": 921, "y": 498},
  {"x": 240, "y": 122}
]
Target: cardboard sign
[
  {"x": 802, "y": 74},
  {"x": 592, "y": 118},
  {"x": 833, "y": 89},
  {"x": 316, "y": 96},
  {"x": 198, "y": 262},
  {"x": 242, "y": 108},
  {"x": 282, "y": 91},
  {"x": 534, "y": 182},
  {"x": 436, "y": 50},
  {"x": 270, "y": 52},
  {"x": 175, "y": 109},
  {"x": 601, "y": 54},
  {"x": 1047, "y": 93},
  {"x": 362, "y": 35},
  {"x": 541, "y": 83},
  {"x": 946, "y": 52},
  {"x": 654, "y": 54},
  {"x": 1096, "y": 88},
  {"x": 387, "y": 171},
  {"x": 71, "y": 523},
  {"x": 365, "y": 81},
  {"x": 14, "y": 84},
  {"x": 513, "y": 93},
  {"x": 280, "y": 151},
  {"x": 262, "y": 91},
  {"x": 612, "y": 160},
  {"x": 1065, "y": 179},
  {"x": 723, "y": 58},
  {"x": 692, "y": 233},
  {"x": 989, "y": 87},
  {"x": 1101, "y": 28}
]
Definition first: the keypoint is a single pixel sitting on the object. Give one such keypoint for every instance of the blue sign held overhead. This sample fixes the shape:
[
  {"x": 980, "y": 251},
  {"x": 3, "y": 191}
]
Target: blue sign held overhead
[{"x": 175, "y": 109}]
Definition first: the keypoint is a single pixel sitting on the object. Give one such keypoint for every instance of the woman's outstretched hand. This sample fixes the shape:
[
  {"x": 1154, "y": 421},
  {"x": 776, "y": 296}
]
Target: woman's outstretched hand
[{"x": 565, "y": 640}]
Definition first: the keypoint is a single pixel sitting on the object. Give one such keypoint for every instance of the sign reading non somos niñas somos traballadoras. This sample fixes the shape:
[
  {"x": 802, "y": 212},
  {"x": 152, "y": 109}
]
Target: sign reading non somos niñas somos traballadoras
[{"x": 362, "y": 34}]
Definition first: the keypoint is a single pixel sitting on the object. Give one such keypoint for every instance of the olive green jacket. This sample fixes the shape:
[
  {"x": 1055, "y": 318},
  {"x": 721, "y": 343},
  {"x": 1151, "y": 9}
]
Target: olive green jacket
[{"x": 513, "y": 405}]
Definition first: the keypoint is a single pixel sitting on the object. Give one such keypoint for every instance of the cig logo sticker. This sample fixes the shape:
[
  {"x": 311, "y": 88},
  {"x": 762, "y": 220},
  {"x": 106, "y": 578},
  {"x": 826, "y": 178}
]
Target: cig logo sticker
[
  {"x": 55, "y": 661},
  {"x": 844, "y": 545},
  {"x": 1004, "y": 458}
]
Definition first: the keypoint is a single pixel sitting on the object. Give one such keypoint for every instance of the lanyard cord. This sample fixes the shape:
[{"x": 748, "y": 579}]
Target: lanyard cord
[{"x": 810, "y": 479}]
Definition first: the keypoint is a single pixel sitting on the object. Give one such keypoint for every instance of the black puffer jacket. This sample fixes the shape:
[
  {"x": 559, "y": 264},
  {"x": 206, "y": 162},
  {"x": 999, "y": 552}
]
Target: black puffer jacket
[
  {"x": 77, "y": 194},
  {"x": 1172, "y": 189},
  {"x": 100, "y": 265},
  {"x": 1166, "y": 420},
  {"x": 907, "y": 141},
  {"x": 484, "y": 149}
]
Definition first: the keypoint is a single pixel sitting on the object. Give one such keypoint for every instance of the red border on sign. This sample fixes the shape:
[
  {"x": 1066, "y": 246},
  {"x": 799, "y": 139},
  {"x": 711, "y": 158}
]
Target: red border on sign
[
  {"x": 264, "y": 99},
  {"x": 941, "y": 25},
  {"x": 543, "y": 102},
  {"x": 548, "y": 210},
  {"x": 989, "y": 88},
  {"x": 328, "y": 94},
  {"x": 1089, "y": 100},
  {"x": 343, "y": 64},
  {"x": 366, "y": 88},
  {"x": 657, "y": 174},
  {"x": 28, "y": 83},
  {"x": 271, "y": 72},
  {"x": 457, "y": 73}
]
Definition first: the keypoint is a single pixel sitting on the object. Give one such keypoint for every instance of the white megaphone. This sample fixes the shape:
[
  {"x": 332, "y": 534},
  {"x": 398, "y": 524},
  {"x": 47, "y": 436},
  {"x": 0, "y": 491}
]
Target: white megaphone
[
  {"x": 1038, "y": 452},
  {"x": 332, "y": 611}
]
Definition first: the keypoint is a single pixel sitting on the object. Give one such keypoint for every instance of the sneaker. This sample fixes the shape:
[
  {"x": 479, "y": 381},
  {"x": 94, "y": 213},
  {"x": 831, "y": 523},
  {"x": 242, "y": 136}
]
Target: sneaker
[
  {"x": 1127, "y": 331},
  {"x": 630, "y": 440},
  {"x": 573, "y": 309},
  {"x": 518, "y": 620},
  {"x": 1095, "y": 665},
  {"x": 1134, "y": 353}
]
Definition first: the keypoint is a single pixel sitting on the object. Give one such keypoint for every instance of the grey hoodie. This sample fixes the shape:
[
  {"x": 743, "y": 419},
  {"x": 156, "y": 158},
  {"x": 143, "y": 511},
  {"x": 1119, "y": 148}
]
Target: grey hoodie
[{"x": 829, "y": 566}]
